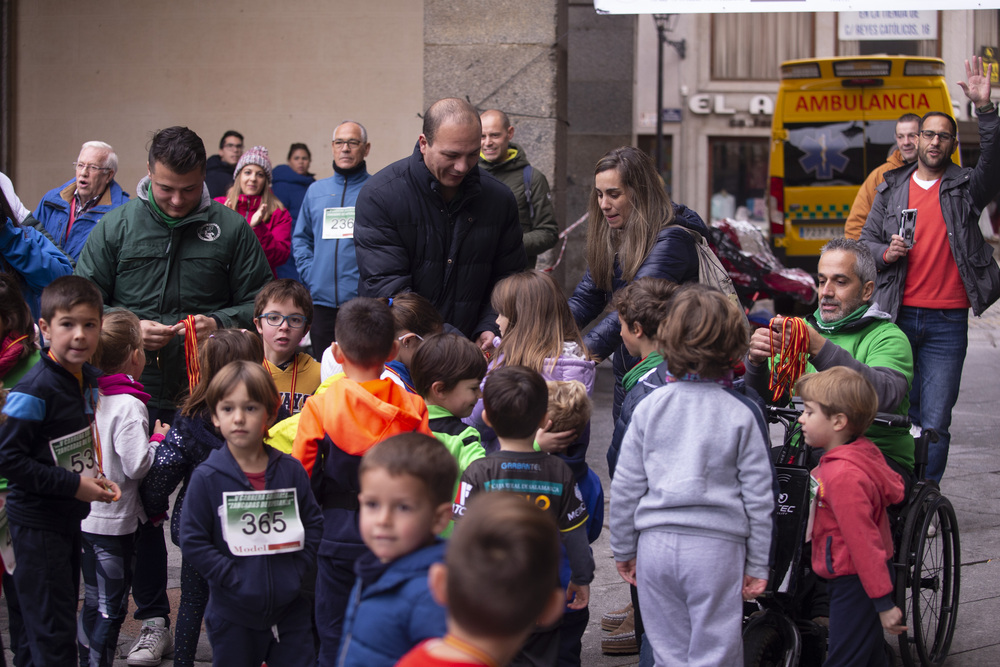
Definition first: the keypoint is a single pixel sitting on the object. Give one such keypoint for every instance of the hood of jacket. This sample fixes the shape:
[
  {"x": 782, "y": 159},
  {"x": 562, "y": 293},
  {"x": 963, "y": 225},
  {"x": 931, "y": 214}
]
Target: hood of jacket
[
  {"x": 866, "y": 456},
  {"x": 571, "y": 365},
  {"x": 689, "y": 219},
  {"x": 515, "y": 160},
  {"x": 142, "y": 191},
  {"x": 368, "y": 412},
  {"x": 389, "y": 575},
  {"x": 285, "y": 174}
]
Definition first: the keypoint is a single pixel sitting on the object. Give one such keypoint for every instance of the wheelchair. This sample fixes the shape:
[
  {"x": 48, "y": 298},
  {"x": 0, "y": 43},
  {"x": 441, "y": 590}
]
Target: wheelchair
[{"x": 779, "y": 632}]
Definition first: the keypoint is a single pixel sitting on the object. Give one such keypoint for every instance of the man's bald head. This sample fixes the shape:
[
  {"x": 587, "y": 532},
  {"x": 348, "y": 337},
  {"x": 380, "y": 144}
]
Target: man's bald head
[
  {"x": 451, "y": 111},
  {"x": 497, "y": 133}
]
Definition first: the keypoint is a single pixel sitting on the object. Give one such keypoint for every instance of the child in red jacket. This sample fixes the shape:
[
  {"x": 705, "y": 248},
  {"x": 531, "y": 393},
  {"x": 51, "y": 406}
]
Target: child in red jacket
[{"x": 852, "y": 544}]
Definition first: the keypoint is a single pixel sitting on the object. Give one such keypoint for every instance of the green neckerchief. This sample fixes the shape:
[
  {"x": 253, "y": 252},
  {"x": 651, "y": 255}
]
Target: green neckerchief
[
  {"x": 829, "y": 328},
  {"x": 652, "y": 360},
  {"x": 167, "y": 220}
]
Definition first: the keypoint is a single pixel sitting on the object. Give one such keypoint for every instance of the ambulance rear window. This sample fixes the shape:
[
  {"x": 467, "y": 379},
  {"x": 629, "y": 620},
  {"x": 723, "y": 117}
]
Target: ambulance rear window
[{"x": 842, "y": 153}]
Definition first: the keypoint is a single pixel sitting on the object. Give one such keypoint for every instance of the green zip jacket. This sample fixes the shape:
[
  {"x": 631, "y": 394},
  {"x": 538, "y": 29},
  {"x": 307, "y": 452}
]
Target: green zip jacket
[
  {"x": 462, "y": 440},
  {"x": 209, "y": 263}
]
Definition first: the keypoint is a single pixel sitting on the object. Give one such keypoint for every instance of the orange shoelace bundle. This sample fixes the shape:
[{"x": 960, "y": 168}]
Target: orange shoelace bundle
[
  {"x": 191, "y": 353},
  {"x": 790, "y": 361}
]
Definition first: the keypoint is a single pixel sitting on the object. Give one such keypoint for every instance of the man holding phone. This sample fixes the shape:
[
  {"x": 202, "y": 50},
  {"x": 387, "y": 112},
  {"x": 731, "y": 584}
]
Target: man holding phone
[{"x": 929, "y": 284}]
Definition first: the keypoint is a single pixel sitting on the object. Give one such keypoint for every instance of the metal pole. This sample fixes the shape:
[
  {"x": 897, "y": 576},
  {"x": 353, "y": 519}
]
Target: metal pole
[{"x": 659, "y": 98}]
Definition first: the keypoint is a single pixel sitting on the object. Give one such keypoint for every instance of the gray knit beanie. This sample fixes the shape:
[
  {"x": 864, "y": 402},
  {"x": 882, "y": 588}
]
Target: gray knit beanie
[{"x": 256, "y": 155}]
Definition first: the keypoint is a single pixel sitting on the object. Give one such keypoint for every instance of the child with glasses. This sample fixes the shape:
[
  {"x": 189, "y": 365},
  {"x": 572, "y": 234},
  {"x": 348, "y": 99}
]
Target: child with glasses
[{"x": 282, "y": 312}]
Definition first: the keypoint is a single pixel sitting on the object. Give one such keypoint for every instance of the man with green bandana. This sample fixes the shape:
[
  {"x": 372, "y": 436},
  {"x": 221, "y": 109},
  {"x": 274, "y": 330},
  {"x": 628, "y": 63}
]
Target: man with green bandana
[
  {"x": 848, "y": 329},
  {"x": 170, "y": 253}
]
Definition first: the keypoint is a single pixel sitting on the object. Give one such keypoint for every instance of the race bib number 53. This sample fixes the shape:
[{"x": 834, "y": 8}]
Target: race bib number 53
[
  {"x": 257, "y": 523},
  {"x": 75, "y": 452},
  {"x": 338, "y": 223}
]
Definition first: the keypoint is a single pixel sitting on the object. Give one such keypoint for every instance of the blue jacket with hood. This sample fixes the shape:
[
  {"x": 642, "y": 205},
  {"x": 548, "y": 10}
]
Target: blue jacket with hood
[
  {"x": 391, "y": 609},
  {"x": 327, "y": 267},
  {"x": 251, "y": 591}
]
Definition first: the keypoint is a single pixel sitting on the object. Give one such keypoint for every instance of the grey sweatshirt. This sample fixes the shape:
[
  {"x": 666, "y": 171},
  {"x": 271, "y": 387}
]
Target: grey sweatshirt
[{"x": 695, "y": 460}]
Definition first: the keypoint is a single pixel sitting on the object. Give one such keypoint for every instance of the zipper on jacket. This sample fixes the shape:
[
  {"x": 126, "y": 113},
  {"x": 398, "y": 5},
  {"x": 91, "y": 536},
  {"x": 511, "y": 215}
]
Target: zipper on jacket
[
  {"x": 348, "y": 632},
  {"x": 829, "y": 554}
]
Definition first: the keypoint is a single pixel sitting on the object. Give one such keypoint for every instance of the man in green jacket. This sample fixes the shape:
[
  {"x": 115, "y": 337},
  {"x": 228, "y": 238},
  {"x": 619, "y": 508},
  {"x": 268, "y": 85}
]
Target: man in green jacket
[
  {"x": 173, "y": 252},
  {"x": 849, "y": 329},
  {"x": 507, "y": 163},
  {"x": 170, "y": 253}
]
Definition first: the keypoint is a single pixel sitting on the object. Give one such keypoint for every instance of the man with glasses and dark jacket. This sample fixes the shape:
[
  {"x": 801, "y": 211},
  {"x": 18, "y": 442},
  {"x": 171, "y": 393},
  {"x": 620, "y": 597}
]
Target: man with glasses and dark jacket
[{"x": 928, "y": 281}]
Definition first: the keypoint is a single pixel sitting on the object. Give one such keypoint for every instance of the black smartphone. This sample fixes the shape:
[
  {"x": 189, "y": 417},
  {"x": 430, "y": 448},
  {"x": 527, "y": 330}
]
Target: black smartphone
[{"x": 907, "y": 223}]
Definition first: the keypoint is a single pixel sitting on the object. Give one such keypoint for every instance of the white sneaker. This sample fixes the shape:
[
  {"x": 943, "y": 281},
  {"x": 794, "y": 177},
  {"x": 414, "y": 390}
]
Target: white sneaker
[{"x": 154, "y": 641}]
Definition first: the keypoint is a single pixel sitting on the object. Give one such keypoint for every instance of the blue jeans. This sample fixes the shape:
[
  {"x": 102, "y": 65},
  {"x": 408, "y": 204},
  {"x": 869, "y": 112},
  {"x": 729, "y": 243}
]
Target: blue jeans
[{"x": 939, "y": 339}]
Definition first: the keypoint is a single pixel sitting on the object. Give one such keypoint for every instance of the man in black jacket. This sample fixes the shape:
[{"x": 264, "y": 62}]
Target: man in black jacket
[
  {"x": 928, "y": 282},
  {"x": 435, "y": 224},
  {"x": 219, "y": 170}
]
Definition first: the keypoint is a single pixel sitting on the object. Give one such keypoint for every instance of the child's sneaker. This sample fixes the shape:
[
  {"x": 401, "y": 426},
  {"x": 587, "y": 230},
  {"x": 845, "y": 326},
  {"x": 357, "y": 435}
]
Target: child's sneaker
[{"x": 154, "y": 642}]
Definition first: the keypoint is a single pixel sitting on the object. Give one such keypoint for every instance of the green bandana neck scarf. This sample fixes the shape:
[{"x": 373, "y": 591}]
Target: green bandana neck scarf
[
  {"x": 829, "y": 328},
  {"x": 652, "y": 360},
  {"x": 167, "y": 220}
]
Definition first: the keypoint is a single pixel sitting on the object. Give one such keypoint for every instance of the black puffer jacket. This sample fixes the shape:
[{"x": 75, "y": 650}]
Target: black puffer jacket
[{"x": 408, "y": 239}]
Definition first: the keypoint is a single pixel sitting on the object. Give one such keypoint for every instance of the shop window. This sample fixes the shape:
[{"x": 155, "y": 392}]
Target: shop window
[
  {"x": 738, "y": 174},
  {"x": 753, "y": 46}
]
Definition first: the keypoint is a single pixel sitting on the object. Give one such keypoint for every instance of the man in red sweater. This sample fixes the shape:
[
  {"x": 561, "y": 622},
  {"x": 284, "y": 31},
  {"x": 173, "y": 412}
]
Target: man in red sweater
[{"x": 929, "y": 285}]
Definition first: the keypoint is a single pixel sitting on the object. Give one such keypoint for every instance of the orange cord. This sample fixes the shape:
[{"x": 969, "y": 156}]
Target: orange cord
[
  {"x": 790, "y": 361},
  {"x": 191, "y": 353}
]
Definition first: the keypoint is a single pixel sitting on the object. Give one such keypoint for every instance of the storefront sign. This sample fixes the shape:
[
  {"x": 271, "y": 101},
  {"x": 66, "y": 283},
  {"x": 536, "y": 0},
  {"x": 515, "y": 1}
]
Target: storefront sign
[
  {"x": 887, "y": 25},
  {"x": 705, "y": 104}
]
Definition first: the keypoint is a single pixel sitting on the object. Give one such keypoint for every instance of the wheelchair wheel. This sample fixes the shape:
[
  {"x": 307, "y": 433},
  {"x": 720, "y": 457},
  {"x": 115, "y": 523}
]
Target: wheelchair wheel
[
  {"x": 762, "y": 647},
  {"x": 927, "y": 586}
]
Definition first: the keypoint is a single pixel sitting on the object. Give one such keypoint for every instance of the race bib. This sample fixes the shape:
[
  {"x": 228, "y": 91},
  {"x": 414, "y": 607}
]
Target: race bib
[
  {"x": 75, "y": 452},
  {"x": 261, "y": 523},
  {"x": 6, "y": 545},
  {"x": 338, "y": 223}
]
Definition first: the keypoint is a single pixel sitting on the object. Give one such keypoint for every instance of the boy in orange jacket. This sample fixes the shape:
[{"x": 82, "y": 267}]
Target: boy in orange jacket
[
  {"x": 336, "y": 428},
  {"x": 851, "y": 540}
]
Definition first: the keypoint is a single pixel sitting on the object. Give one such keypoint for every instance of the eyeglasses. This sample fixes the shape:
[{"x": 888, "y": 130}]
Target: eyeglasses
[
  {"x": 943, "y": 136},
  {"x": 237, "y": 146},
  {"x": 350, "y": 143},
  {"x": 84, "y": 168},
  {"x": 277, "y": 319}
]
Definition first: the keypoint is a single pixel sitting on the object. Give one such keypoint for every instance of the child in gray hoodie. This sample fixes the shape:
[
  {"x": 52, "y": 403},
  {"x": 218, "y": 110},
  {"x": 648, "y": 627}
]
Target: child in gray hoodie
[{"x": 692, "y": 496}]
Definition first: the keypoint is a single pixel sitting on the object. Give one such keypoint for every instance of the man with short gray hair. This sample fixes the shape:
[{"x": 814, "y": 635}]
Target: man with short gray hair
[
  {"x": 68, "y": 213},
  {"x": 849, "y": 329},
  {"x": 323, "y": 238}
]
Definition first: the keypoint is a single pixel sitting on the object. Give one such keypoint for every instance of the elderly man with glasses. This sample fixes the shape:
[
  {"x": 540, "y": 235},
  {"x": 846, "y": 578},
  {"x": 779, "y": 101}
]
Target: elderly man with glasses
[
  {"x": 69, "y": 212},
  {"x": 927, "y": 281},
  {"x": 323, "y": 238}
]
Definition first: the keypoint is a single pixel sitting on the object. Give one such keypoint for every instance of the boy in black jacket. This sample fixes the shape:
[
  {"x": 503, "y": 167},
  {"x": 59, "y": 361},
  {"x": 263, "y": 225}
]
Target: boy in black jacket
[{"x": 48, "y": 454}]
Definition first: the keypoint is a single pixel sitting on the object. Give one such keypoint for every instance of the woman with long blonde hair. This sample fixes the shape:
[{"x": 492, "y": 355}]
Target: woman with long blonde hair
[
  {"x": 634, "y": 231},
  {"x": 251, "y": 196}
]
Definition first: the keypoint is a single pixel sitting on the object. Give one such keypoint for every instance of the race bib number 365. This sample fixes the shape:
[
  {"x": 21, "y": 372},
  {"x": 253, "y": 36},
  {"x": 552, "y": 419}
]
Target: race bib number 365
[
  {"x": 75, "y": 452},
  {"x": 338, "y": 223},
  {"x": 259, "y": 523}
]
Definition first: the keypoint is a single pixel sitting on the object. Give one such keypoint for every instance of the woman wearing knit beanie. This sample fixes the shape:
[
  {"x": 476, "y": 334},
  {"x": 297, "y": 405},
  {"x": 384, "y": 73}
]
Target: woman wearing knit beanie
[{"x": 251, "y": 197}]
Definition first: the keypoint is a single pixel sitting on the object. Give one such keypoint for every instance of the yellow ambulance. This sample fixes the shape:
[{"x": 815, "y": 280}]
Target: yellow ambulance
[{"x": 834, "y": 122}]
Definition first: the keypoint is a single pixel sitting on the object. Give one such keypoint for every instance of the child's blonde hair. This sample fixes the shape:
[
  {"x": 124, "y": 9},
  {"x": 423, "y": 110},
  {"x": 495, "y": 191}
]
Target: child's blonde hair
[
  {"x": 539, "y": 320},
  {"x": 220, "y": 348},
  {"x": 841, "y": 390},
  {"x": 121, "y": 336},
  {"x": 703, "y": 333},
  {"x": 569, "y": 405}
]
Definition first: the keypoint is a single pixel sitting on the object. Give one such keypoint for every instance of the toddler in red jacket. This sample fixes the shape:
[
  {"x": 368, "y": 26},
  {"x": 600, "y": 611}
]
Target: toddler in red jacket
[{"x": 851, "y": 540}]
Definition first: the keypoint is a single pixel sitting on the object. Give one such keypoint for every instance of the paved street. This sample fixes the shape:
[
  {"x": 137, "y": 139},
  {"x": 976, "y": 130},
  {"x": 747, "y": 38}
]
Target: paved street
[{"x": 972, "y": 483}]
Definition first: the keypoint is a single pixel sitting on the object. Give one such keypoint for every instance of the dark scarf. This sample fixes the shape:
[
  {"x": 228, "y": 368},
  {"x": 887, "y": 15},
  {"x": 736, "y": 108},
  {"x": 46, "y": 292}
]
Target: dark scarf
[{"x": 347, "y": 173}]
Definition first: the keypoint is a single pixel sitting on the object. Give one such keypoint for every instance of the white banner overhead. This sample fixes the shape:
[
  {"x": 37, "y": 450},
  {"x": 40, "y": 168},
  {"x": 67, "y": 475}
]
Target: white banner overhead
[{"x": 750, "y": 6}]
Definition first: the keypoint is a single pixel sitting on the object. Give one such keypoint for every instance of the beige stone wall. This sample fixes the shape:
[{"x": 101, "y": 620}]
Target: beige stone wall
[{"x": 279, "y": 72}]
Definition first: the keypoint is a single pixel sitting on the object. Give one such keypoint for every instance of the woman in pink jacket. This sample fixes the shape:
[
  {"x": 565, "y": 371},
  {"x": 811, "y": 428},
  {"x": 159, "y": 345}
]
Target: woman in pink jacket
[{"x": 251, "y": 197}]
